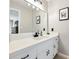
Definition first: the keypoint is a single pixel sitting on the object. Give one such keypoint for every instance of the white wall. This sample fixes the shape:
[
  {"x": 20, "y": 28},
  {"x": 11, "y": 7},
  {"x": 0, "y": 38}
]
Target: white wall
[
  {"x": 59, "y": 26},
  {"x": 26, "y": 16}
]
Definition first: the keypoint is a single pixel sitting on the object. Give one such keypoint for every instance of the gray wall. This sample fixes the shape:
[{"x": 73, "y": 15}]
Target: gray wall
[{"x": 59, "y": 26}]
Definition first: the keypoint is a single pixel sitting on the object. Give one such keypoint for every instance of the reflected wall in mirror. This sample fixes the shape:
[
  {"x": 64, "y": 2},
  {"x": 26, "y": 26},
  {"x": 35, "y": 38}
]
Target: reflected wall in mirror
[{"x": 39, "y": 21}]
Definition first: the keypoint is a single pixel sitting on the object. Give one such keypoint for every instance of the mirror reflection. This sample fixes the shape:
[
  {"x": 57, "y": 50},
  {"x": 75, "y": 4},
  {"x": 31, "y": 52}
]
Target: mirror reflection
[
  {"x": 14, "y": 19},
  {"x": 39, "y": 21},
  {"x": 26, "y": 18}
]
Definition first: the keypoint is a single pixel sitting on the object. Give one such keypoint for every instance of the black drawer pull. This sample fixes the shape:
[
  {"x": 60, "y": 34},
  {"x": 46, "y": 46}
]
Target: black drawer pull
[
  {"x": 25, "y": 57},
  {"x": 47, "y": 52}
]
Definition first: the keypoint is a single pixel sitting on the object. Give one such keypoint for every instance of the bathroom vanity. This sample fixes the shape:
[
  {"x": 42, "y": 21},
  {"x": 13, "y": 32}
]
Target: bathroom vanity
[
  {"x": 42, "y": 47},
  {"x": 26, "y": 17}
]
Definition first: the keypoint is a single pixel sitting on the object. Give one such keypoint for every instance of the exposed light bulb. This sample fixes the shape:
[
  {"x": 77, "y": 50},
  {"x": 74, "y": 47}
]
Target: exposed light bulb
[{"x": 33, "y": 7}]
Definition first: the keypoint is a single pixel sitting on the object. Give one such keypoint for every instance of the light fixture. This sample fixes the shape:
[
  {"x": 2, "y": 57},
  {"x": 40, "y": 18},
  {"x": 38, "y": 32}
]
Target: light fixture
[{"x": 33, "y": 7}]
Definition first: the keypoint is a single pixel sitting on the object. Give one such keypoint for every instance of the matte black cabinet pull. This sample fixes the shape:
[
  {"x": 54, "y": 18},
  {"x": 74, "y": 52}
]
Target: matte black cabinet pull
[
  {"x": 47, "y": 52},
  {"x": 25, "y": 57}
]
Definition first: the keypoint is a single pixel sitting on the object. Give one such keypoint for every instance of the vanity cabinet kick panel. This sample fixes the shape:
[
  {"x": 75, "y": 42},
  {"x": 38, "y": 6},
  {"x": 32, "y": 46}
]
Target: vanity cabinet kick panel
[{"x": 43, "y": 50}]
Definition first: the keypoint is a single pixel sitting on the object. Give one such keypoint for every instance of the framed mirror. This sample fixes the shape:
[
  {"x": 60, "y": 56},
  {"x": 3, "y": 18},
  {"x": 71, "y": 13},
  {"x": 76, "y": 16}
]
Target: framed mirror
[{"x": 26, "y": 18}]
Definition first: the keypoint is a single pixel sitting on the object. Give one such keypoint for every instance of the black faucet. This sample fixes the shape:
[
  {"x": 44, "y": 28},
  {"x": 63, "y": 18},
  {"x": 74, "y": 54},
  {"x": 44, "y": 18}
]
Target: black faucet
[{"x": 36, "y": 34}]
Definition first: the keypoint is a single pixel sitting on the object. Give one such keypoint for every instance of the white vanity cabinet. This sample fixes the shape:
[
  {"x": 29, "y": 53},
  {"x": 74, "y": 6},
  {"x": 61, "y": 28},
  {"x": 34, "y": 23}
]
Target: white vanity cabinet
[{"x": 44, "y": 50}]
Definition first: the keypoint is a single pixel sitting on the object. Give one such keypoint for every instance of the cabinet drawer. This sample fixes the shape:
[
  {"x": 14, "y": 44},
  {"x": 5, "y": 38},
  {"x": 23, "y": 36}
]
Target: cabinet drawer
[{"x": 27, "y": 53}]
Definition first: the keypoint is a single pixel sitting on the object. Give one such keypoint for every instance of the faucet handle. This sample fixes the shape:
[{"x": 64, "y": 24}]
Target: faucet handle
[{"x": 41, "y": 33}]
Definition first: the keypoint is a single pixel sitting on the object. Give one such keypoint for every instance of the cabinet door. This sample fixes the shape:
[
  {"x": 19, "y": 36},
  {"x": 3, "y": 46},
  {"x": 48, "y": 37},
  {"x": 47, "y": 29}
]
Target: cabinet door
[
  {"x": 46, "y": 54},
  {"x": 27, "y": 53},
  {"x": 45, "y": 50}
]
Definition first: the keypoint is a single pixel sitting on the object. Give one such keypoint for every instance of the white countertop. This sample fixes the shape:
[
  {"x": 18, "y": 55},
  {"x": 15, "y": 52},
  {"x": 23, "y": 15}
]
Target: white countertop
[{"x": 16, "y": 45}]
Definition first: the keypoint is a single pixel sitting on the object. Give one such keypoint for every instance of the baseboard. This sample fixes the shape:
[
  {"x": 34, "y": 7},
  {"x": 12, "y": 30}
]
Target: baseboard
[{"x": 63, "y": 55}]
